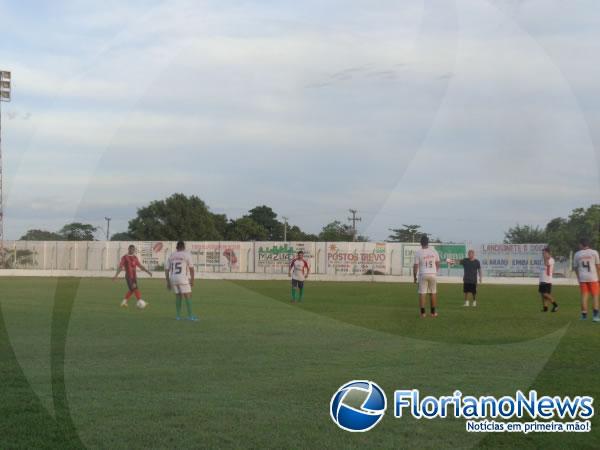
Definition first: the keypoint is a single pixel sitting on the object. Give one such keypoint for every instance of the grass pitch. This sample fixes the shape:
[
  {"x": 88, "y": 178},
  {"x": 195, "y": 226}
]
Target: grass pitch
[{"x": 256, "y": 371}]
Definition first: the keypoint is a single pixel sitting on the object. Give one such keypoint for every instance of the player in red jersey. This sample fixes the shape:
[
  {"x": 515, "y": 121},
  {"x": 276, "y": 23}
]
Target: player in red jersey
[{"x": 129, "y": 263}]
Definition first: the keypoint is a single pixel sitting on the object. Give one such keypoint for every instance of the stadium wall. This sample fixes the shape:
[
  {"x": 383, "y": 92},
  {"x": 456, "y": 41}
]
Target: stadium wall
[{"x": 328, "y": 260}]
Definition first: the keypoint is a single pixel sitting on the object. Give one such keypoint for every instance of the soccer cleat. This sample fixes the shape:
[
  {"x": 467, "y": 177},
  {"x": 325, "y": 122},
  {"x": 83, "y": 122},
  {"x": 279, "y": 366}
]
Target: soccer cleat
[
  {"x": 193, "y": 318},
  {"x": 423, "y": 315},
  {"x": 177, "y": 318},
  {"x": 474, "y": 303},
  {"x": 124, "y": 303},
  {"x": 434, "y": 314},
  {"x": 555, "y": 308},
  {"x": 596, "y": 319},
  {"x": 583, "y": 316},
  {"x": 466, "y": 303}
]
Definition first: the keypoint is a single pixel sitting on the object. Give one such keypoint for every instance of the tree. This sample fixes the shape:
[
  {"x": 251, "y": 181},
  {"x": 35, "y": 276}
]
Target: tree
[
  {"x": 77, "y": 231},
  {"x": 294, "y": 233},
  {"x": 336, "y": 232},
  {"x": 221, "y": 224},
  {"x": 176, "y": 217},
  {"x": 265, "y": 216},
  {"x": 41, "y": 235},
  {"x": 564, "y": 234},
  {"x": 122, "y": 236},
  {"x": 409, "y": 233},
  {"x": 246, "y": 229},
  {"x": 525, "y": 234}
]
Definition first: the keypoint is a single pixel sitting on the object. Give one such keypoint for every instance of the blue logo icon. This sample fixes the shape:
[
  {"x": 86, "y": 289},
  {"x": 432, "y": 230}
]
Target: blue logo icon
[{"x": 358, "y": 406}]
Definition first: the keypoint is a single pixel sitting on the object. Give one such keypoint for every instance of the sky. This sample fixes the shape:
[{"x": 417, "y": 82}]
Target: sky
[{"x": 466, "y": 117}]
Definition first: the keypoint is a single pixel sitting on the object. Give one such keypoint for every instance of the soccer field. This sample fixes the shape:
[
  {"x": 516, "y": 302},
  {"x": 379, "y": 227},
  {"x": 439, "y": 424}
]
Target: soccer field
[{"x": 258, "y": 372}]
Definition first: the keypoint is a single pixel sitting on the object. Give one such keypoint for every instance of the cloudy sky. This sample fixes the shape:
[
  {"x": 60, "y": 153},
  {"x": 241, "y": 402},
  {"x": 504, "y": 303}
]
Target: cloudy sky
[{"x": 465, "y": 117}]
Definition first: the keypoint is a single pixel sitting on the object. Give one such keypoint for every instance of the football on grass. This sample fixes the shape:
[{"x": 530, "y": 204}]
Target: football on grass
[{"x": 141, "y": 304}]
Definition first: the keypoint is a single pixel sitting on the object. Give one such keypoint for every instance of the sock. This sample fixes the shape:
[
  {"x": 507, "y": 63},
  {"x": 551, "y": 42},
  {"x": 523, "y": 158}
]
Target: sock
[
  {"x": 422, "y": 310},
  {"x": 554, "y": 304},
  {"x": 545, "y": 308},
  {"x": 128, "y": 295},
  {"x": 301, "y": 293},
  {"x": 595, "y": 313},
  {"x": 178, "y": 305},
  {"x": 188, "y": 305},
  {"x": 432, "y": 310},
  {"x": 584, "y": 314},
  {"x": 293, "y": 294},
  {"x": 137, "y": 293}
]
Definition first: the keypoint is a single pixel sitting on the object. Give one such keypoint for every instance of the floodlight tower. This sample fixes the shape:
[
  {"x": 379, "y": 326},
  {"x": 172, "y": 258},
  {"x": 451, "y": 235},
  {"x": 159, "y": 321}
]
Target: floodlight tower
[{"x": 5, "y": 81}]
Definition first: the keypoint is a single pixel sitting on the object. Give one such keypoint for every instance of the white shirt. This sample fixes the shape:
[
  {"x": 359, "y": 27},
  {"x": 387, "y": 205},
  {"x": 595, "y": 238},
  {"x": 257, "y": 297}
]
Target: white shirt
[
  {"x": 585, "y": 263},
  {"x": 179, "y": 267},
  {"x": 426, "y": 259},
  {"x": 546, "y": 272},
  {"x": 297, "y": 267}
]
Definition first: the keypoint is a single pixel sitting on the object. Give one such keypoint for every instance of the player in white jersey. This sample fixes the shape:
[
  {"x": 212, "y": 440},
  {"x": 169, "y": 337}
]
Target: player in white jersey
[
  {"x": 299, "y": 271},
  {"x": 545, "y": 286},
  {"x": 180, "y": 278},
  {"x": 586, "y": 264},
  {"x": 426, "y": 266}
]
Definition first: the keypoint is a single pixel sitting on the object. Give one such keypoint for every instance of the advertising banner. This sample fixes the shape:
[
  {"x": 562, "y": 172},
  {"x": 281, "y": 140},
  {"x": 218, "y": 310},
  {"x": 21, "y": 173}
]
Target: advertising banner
[
  {"x": 276, "y": 256},
  {"x": 215, "y": 256},
  {"x": 356, "y": 257},
  {"x": 511, "y": 259},
  {"x": 452, "y": 251}
]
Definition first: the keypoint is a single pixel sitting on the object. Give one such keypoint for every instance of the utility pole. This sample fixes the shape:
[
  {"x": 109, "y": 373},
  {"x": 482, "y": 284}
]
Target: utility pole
[
  {"x": 5, "y": 82},
  {"x": 285, "y": 224},
  {"x": 108, "y": 219},
  {"x": 354, "y": 219}
]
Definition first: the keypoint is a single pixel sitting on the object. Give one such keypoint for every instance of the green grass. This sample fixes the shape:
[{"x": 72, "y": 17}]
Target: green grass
[{"x": 78, "y": 371}]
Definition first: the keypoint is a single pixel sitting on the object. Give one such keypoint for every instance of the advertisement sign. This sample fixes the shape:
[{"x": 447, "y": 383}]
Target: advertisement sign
[
  {"x": 356, "y": 258},
  {"x": 511, "y": 259},
  {"x": 452, "y": 251},
  {"x": 278, "y": 255},
  {"x": 215, "y": 256}
]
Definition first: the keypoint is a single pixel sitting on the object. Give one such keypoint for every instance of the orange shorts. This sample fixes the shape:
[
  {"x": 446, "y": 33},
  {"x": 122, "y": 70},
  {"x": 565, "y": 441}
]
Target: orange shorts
[{"x": 590, "y": 287}]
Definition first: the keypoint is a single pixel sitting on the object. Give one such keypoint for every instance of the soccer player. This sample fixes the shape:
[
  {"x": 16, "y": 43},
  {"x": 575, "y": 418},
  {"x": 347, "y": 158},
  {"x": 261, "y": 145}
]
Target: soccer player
[
  {"x": 545, "y": 287},
  {"x": 180, "y": 278},
  {"x": 129, "y": 263},
  {"x": 426, "y": 266},
  {"x": 472, "y": 268},
  {"x": 586, "y": 264},
  {"x": 299, "y": 271}
]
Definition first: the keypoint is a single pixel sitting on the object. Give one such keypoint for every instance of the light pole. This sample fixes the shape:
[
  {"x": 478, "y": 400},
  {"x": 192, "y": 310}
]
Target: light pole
[
  {"x": 108, "y": 219},
  {"x": 354, "y": 219},
  {"x": 5, "y": 82},
  {"x": 285, "y": 220}
]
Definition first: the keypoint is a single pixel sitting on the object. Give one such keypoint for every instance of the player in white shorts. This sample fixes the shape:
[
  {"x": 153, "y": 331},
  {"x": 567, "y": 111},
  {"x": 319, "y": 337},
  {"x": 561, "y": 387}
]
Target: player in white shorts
[
  {"x": 426, "y": 266},
  {"x": 180, "y": 279}
]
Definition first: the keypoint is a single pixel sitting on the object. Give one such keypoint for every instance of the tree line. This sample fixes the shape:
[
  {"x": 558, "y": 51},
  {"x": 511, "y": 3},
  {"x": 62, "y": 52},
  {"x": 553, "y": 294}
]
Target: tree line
[
  {"x": 189, "y": 218},
  {"x": 561, "y": 234}
]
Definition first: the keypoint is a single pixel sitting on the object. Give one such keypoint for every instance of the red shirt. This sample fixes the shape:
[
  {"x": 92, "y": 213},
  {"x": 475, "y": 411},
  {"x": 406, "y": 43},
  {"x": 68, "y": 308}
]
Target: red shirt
[{"x": 129, "y": 263}]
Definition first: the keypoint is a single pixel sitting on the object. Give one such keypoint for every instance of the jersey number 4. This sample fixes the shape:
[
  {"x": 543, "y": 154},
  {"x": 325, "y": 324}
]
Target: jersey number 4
[{"x": 586, "y": 265}]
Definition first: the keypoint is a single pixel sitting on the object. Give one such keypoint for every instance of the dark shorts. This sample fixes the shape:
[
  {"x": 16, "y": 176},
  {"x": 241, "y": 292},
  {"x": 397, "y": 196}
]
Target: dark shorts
[
  {"x": 470, "y": 287},
  {"x": 545, "y": 288},
  {"x": 298, "y": 283},
  {"x": 131, "y": 283}
]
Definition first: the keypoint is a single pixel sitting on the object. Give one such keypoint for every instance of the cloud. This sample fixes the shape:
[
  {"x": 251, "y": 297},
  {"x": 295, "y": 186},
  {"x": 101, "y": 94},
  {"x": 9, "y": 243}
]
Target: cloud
[{"x": 321, "y": 108}]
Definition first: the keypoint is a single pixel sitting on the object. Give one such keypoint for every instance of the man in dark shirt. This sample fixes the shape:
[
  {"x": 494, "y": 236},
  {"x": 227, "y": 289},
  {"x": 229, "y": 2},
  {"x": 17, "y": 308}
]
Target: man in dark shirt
[{"x": 472, "y": 268}]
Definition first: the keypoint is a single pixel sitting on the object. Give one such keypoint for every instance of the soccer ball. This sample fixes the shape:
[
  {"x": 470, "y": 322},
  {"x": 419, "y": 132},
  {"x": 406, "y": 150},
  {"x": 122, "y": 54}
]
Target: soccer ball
[{"x": 141, "y": 304}]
